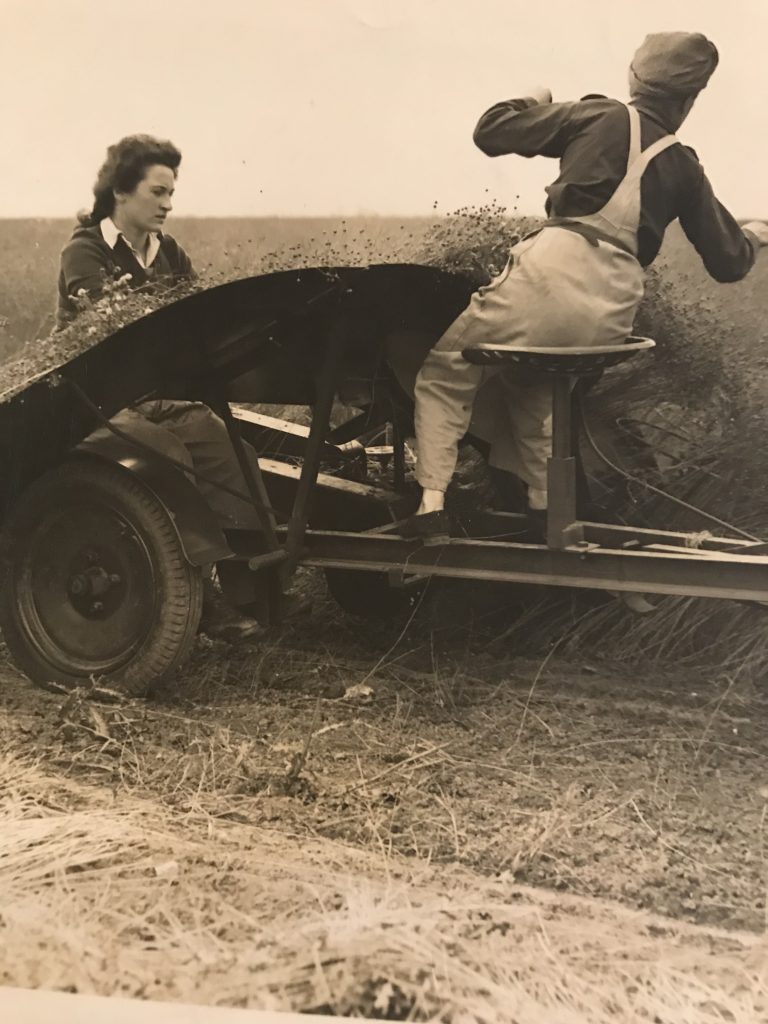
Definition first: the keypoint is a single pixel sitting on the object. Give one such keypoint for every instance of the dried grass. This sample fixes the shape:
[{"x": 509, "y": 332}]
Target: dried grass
[{"x": 130, "y": 898}]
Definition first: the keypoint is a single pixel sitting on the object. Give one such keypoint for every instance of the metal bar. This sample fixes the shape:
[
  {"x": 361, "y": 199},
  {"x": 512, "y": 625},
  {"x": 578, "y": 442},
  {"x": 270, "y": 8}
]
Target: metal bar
[
  {"x": 270, "y": 435},
  {"x": 351, "y": 489},
  {"x": 495, "y": 525},
  {"x": 321, "y": 414},
  {"x": 721, "y": 575},
  {"x": 750, "y": 547},
  {"x": 615, "y": 536},
  {"x": 482, "y": 524},
  {"x": 562, "y": 528},
  {"x": 252, "y": 476},
  {"x": 562, "y": 417},
  {"x": 561, "y": 467},
  {"x": 271, "y": 558},
  {"x": 398, "y": 455},
  {"x": 268, "y": 537}
]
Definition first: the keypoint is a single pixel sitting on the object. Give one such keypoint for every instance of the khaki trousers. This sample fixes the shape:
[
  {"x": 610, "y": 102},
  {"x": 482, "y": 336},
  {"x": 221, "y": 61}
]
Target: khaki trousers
[
  {"x": 192, "y": 433},
  {"x": 557, "y": 289}
]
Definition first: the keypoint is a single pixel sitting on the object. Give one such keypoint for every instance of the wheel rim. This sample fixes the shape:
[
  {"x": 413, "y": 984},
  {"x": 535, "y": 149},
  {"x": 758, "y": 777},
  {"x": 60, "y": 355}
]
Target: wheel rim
[{"x": 85, "y": 588}]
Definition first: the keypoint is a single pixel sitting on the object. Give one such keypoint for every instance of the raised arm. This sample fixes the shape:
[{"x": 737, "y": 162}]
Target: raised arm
[{"x": 529, "y": 126}]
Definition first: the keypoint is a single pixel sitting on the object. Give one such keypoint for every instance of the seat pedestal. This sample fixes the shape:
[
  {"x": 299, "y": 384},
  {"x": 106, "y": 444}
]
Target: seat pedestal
[
  {"x": 566, "y": 365},
  {"x": 563, "y": 527}
]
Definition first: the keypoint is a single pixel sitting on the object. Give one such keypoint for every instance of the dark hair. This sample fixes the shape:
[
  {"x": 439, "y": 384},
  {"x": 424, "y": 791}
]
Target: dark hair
[{"x": 124, "y": 168}]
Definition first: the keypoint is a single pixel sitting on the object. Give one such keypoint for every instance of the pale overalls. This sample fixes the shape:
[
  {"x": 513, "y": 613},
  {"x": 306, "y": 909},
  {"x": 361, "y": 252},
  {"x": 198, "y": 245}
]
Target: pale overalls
[{"x": 558, "y": 288}]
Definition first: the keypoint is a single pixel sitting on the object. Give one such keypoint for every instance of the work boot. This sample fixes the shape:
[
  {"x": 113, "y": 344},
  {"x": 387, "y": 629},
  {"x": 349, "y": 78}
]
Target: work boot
[
  {"x": 428, "y": 527},
  {"x": 220, "y": 621}
]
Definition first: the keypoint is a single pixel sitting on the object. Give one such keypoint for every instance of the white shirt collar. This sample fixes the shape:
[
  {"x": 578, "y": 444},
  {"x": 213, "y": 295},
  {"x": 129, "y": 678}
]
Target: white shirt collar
[{"x": 111, "y": 233}]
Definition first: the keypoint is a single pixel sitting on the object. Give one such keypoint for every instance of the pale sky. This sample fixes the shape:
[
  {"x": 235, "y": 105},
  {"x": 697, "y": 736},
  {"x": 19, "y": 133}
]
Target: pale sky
[{"x": 312, "y": 107}]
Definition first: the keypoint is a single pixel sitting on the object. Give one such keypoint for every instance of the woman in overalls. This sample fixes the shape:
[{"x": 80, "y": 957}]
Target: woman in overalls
[{"x": 624, "y": 177}]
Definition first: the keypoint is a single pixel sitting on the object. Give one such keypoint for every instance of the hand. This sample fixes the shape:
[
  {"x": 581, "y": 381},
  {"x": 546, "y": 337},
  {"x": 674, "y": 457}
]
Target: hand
[
  {"x": 540, "y": 94},
  {"x": 759, "y": 229}
]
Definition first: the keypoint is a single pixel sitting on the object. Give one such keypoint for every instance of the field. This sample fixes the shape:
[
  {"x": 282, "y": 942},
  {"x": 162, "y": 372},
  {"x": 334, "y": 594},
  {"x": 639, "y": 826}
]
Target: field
[
  {"x": 503, "y": 809},
  {"x": 230, "y": 247}
]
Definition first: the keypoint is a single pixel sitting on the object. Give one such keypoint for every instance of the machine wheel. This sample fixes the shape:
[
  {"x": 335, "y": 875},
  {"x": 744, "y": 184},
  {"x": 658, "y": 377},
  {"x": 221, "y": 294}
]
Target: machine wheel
[
  {"x": 95, "y": 583},
  {"x": 369, "y": 595}
]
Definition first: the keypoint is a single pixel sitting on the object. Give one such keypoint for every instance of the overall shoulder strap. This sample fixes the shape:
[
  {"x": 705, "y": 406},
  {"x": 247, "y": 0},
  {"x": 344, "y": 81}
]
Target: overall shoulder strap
[
  {"x": 653, "y": 151},
  {"x": 638, "y": 160},
  {"x": 634, "y": 136}
]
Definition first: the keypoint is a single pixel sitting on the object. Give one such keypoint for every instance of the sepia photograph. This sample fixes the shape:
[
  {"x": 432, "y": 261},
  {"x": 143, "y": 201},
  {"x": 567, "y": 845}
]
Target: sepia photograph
[{"x": 383, "y": 512}]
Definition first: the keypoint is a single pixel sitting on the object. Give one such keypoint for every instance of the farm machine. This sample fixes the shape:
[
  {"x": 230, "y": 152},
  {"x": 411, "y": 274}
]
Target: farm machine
[{"x": 104, "y": 540}]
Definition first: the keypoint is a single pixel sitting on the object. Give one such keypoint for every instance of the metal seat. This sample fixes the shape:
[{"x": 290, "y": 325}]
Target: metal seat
[
  {"x": 570, "y": 361},
  {"x": 566, "y": 366}
]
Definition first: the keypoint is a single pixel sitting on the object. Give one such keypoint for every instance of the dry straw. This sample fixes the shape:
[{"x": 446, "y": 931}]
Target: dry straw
[{"x": 135, "y": 900}]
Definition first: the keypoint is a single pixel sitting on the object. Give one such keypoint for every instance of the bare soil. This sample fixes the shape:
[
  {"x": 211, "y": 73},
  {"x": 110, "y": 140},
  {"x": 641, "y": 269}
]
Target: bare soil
[{"x": 436, "y": 741}]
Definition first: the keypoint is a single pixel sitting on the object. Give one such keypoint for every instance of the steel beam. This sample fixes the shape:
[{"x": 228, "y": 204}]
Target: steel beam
[{"x": 713, "y": 574}]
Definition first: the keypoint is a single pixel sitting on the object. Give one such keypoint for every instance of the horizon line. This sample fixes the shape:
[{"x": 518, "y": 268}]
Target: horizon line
[{"x": 286, "y": 216}]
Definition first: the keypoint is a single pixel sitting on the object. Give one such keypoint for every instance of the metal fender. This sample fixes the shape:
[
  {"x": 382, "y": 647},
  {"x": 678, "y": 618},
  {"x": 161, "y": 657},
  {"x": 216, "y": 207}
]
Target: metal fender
[{"x": 200, "y": 535}]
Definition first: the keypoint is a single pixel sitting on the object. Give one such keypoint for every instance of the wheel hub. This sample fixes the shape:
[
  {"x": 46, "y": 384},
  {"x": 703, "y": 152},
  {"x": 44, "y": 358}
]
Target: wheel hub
[{"x": 95, "y": 591}]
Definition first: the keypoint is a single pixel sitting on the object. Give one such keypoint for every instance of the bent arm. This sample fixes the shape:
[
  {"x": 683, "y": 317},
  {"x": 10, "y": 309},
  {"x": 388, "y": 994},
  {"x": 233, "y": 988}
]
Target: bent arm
[
  {"x": 728, "y": 252},
  {"x": 525, "y": 127},
  {"x": 83, "y": 266}
]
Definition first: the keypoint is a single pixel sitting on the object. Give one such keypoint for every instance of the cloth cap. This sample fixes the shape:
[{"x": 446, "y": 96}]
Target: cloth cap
[{"x": 673, "y": 64}]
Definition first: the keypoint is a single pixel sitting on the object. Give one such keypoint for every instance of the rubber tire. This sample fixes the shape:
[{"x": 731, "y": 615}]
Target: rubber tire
[
  {"x": 368, "y": 595},
  {"x": 178, "y": 585}
]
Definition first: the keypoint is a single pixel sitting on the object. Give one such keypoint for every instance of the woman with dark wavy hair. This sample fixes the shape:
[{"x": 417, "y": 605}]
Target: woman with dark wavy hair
[{"x": 122, "y": 234}]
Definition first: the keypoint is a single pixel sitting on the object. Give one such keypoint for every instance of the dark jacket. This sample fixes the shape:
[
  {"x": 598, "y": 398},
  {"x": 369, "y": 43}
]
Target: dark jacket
[
  {"x": 591, "y": 140},
  {"x": 87, "y": 261}
]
